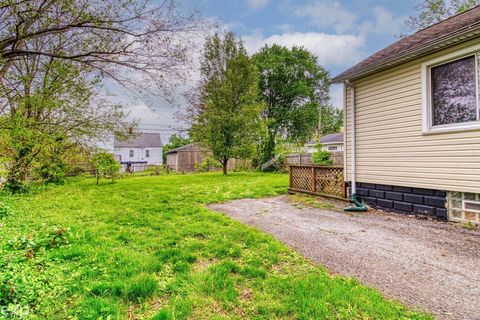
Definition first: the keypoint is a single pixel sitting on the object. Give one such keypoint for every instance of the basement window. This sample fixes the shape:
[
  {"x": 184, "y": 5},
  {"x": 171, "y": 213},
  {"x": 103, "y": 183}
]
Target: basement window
[
  {"x": 450, "y": 94},
  {"x": 463, "y": 206}
]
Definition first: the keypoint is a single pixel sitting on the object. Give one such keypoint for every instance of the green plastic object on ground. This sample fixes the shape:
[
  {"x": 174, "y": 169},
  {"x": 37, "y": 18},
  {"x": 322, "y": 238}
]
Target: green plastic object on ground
[{"x": 358, "y": 207}]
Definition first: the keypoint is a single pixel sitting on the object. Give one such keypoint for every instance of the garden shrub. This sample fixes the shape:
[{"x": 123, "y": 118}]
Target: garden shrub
[
  {"x": 105, "y": 165},
  {"x": 321, "y": 156},
  {"x": 52, "y": 172},
  {"x": 207, "y": 164}
]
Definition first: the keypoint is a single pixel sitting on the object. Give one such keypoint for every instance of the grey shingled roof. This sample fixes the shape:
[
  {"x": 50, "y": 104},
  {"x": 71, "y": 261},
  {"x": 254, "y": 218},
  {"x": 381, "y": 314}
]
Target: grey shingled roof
[
  {"x": 454, "y": 30},
  {"x": 188, "y": 147},
  {"x": 329, "y": 139},
  {"x": 143, "y": 140}
]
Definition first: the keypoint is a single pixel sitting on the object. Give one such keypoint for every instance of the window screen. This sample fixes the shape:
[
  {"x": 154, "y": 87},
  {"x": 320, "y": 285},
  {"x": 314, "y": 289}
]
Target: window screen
[{"x": 454, "y": 92}]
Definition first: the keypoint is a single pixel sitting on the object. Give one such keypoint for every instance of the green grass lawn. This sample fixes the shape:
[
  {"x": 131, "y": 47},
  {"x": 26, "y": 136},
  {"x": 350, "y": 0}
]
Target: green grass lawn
[{"x": 147, "y": 248}]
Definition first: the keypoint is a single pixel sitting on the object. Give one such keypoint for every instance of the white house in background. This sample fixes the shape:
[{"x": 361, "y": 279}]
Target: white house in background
[
  {"x": 330, "y": 142},
  {"x": 143, "y": 147}
]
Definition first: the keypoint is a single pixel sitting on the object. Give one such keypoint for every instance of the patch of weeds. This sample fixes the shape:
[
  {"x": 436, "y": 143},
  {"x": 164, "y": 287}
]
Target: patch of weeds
[
  {"x": 124, "y": 237},
  {"x": 143, "y": 287},
  {"x": 69, "y": 253},
  {"x": 14, "y": 311},
  {"x": 174, "y": 255},
  {"x": 181, "y": 267},
  {"x": 253, "y": 272},
  {"x": 470, "y": 225},
  {"x": 24, "y": 282},
  {"x": 53, "y": 238},
  {"x": 57, "y": 237},
  {"x": 94, "y": 308},
  {"x": 113, "y": 289},
  {"x": 225, "y": 249},
  {"x": 311, "y": 202},
  {"x": 220, "y": 283},
  {"x": 163, "y": 314},
  {"x": 182, "y": 308},
  {"x": 5, "y": 210}
]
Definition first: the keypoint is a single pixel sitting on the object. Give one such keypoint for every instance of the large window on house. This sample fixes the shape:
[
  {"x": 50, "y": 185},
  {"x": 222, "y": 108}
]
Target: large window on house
[
  {"x": 451, "y": 97},
  {"x": 454, "y": 92}
]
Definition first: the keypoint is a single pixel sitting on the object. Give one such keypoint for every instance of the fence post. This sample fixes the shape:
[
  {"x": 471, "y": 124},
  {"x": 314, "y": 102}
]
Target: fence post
[
  {"x": 314, "y": 187},
  {"x": 290, "y": 177}
]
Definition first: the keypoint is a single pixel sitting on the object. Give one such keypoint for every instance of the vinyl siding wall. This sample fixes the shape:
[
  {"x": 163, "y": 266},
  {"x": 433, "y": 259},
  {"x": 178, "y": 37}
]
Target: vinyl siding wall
[
  {"x": 139, "y": 154},
  {"x": 391, "y": 148}
]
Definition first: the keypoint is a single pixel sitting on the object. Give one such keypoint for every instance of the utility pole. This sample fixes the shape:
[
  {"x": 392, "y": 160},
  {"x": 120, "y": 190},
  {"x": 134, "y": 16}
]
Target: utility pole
[{"x": 319, "y": 130}]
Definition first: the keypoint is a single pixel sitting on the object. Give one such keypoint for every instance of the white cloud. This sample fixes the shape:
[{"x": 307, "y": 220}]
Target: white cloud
[
  {"x": 257, "y": 4},
  {"x": 327, "y": 14},
  {"x": 331, "y": 50},
  {"x": 383, "y": 22}
]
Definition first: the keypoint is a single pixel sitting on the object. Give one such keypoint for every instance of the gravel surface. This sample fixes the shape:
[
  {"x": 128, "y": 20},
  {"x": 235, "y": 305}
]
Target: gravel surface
[{"x": 433, "y": 266}]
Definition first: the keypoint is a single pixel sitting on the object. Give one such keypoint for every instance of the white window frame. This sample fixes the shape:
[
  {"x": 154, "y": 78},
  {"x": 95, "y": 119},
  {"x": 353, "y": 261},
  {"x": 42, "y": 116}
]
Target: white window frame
[
  {"x": 427, "y": 109},
  {"x": 334, "y": 148},
  {"x": 147, "y": 153},
  {"x": 131, "y": 153}
]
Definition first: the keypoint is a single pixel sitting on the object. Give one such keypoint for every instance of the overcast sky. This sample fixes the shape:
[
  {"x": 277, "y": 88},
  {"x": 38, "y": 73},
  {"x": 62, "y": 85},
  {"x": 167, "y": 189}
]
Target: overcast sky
[{"x": 339, "y": 33}]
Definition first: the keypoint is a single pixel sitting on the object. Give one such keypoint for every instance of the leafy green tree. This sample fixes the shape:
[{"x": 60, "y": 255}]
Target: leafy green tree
[
  {"x": 321, "y": 156},
  {"x": 332, "y": 119},
  {"x": 226, "y": 114},
  {"x": 104, "y": 165},
  {"x": 292, "y": 85},
  {"x": 433, "y": 11},
  {"x": 54, "y": 109},
  {"x": 175, "y": 141}
]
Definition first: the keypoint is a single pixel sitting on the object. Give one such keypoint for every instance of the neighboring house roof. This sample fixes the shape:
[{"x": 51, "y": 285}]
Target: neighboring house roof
[
  {"x": 143, "y": 140},
  {"x": 333, "y": 138},
  {"x": 188, "y": 147},
  {"x": 456, "y": 29}
]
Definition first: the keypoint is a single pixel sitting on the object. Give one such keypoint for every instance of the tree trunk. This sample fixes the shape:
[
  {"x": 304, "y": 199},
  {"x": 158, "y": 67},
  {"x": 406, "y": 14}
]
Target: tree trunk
[
  {"x": 268, "y": 148},
  {"x": 224, "y": 165}
]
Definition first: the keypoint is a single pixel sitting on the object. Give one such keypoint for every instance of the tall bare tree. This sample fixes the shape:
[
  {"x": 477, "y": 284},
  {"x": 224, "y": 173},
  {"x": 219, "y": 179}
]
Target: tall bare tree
[
  {"x": 433, "y": 11},
  {"x": 55, "y": 53}
]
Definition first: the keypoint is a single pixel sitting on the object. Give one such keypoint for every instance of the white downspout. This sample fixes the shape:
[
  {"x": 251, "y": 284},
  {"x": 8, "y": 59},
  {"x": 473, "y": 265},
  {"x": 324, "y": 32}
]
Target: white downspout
[{"x": 352, "y": 134}]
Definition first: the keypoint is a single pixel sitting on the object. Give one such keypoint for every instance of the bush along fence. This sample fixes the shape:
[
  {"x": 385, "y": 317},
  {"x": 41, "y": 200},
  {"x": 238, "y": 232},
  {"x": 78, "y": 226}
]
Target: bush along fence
[
  {"x": 306, "y": 158},
  {"x": 318, "y": 180}
]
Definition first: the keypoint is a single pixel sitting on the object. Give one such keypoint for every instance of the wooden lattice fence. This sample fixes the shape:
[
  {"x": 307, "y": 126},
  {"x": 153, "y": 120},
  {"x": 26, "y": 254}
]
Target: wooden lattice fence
[
  {"x": 319, "y": 180},
  {"x": 306, "y": 158}
]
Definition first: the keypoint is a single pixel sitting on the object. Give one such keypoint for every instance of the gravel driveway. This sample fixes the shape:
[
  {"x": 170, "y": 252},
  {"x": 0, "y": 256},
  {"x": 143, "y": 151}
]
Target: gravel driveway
[{"x": 434, "y": 266}]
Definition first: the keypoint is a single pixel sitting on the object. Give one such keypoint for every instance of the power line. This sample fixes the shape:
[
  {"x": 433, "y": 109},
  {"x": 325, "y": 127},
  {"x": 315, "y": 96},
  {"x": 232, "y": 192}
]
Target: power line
[{"x": 166, "y": 130}]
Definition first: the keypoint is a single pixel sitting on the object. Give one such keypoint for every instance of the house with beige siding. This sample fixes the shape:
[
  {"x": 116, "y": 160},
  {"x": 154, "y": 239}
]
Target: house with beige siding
[{"x": 412, "y": 122}]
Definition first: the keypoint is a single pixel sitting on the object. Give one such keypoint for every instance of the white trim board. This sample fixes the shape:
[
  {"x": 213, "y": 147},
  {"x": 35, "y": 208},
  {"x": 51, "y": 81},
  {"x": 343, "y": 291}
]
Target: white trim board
[{"x": 427, "y": 126}]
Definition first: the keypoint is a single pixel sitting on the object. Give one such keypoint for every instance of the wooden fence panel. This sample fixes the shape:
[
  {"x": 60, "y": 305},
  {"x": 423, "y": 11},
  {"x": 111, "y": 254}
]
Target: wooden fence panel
[
  {"x": 319, "y": 180},
  {"x": 306, "y": 158}
]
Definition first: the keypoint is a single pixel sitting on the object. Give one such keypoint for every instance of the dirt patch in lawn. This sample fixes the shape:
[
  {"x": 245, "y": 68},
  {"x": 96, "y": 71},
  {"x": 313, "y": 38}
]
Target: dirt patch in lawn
[{"x": 434, "y": 266}]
